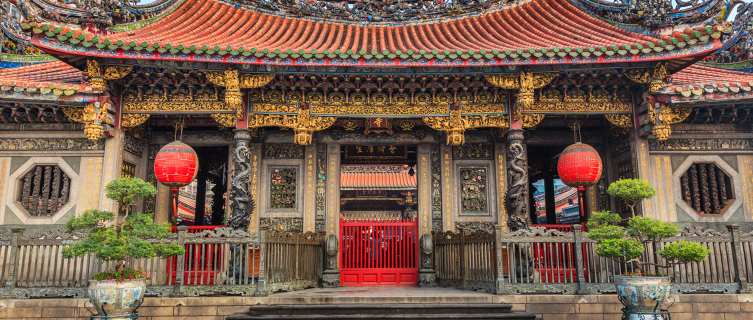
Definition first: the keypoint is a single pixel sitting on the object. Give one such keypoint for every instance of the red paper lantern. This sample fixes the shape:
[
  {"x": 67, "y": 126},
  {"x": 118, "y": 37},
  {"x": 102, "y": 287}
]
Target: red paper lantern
[
  {"x": 579, "y": 166},
  {"x": 176, "y": 165}
]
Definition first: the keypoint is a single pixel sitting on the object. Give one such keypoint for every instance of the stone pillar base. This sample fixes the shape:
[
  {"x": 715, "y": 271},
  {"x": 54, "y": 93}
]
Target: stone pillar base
[
  {"x": 331, "y": 279},
  {"x": 426, "y": 278}
]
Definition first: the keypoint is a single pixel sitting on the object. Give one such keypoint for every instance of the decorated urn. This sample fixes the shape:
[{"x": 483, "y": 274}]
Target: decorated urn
[
  {"x": 643, "y": 294},
  {"x": 117, "y": 300}
]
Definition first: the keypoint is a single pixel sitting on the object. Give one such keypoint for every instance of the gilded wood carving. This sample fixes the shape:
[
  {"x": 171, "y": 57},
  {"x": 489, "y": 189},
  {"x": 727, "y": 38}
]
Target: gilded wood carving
[
  {"x": 133, "y": 119},
  {"x": 653, "y": 77},
  {"x": 526, "y": 82},
  {"x": 620, "y": 120},
  {"x": 224, "y": 120},
  {"x": 456, "y": 124},
  {"x": 116, "y": 72},
  {"x": 94, "y": 71},
  {"x": 303, "y": 123},
  {"x": 668, "y": 116}
]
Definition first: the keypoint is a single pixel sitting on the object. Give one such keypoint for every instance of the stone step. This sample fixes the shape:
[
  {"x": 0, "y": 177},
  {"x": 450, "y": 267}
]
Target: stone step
[
  {"x": 383, "y": 312},
  {"x": 380, "y": 309},
  {"x": 453, "y": 316}
]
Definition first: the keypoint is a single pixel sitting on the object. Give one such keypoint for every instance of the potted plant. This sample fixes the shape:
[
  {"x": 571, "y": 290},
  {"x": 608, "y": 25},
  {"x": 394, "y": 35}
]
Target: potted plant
[
  {"x": 631, "y": 191},
  {"x": 640, "y": 290},
  {"x": 116, "y": 290}
]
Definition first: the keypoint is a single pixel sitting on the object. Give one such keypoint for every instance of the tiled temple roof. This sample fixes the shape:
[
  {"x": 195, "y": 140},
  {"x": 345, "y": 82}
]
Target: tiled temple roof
[
  {"x": 372, "y": 180},
  {"x": 697, "y": 80},
  {"x": 539, "y": 28},
  {"x": 54, "y": 76}
]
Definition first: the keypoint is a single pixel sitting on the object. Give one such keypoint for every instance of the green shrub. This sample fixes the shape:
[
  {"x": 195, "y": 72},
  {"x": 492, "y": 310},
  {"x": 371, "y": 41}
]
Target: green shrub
[
  {"x": 631, "y": 191},
  {"x": 110, "y": 240},
  {"x": 626, "y": 244}
]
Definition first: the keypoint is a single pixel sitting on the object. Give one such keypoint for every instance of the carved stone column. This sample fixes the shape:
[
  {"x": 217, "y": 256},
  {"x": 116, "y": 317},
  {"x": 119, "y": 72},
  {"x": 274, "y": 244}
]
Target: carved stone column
[
  {"x": 446, "y": 179},
  {"x": 242, "y": 205},
  {"x": 517, "y": 180},
  {"x": 309, "y": 189},
  {"x": 331, "y": 277},
  {"x": 499, "y": 154},
  {"x": 423, "y": 179}
]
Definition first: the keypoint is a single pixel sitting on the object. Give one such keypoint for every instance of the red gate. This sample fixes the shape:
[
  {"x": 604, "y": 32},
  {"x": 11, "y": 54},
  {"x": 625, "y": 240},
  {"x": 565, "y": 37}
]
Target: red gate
[{"x": 379, "y": 252}]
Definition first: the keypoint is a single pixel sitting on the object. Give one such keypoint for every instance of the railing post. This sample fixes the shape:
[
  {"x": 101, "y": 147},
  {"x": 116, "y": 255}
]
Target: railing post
[
  {"x": 738, "y": 259},
  {"x": 15, "y": 248},
  {"x": 180, "y": 268},
  {"x": 499, "y": 265},
  {"x": 426, "y": 275},
  {"x": 578, "y": 240},
  {"x": 297, "y": 233},
  {"x": 463, "y": 258},
  {"x": 261, "y": 285},
  {"x": 331, "y": 277}
]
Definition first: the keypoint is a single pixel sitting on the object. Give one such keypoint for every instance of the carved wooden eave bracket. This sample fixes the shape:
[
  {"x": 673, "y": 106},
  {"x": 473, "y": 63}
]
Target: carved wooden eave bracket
[
  {"x": 660, "y": 117},
  {"x": 653, "y": 77},
  {"x": 93, "y": 116},
  {"x": 303, "y": 124},
  {"x": 98, "y": 77},
  {"x": 525, "y": 82},
  {"x": 233, "y": 83},
  {"x": 665, "y": 117},
  {"x": 456, "y": 124}
]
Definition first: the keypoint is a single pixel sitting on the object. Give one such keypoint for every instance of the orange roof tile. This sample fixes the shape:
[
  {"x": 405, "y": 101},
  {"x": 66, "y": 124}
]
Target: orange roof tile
[
  {"x": 56, "y": 75},
  {"x": 214, "y": 27},
  {"x": 537, "y": 24},
  {"x": 56, "y": 71},
  {"x": 702, "y": 75},
  {"x": 374, "y": 180}
]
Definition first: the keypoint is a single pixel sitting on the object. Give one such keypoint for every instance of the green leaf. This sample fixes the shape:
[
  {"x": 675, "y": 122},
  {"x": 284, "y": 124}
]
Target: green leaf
[{"x": 624, "y": 249}]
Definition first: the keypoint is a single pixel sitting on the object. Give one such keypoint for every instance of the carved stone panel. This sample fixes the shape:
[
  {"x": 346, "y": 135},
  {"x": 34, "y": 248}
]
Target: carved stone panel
[
  {"x": 282, "y": 187},
  {"x": 473, "y": 190}
]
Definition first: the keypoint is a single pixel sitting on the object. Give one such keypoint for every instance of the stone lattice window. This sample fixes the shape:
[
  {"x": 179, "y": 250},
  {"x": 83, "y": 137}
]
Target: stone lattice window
[
  {"x": 473, "y": 185},
  {"x": 282, "y": 188},
  {"x": 707, "y": 188},
  {"x": 45, "y": 190}
]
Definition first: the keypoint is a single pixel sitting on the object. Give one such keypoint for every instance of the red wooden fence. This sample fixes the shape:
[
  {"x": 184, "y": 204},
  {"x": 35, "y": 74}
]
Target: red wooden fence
[
  {"x": 202, "y": 260},
  {"x": 379, "y": 252},
  {"x": 556, "y": 261}
]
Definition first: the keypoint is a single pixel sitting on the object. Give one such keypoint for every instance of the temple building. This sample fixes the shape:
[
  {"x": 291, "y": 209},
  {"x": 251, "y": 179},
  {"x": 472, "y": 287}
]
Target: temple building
[{"x": 437, "y": 115}]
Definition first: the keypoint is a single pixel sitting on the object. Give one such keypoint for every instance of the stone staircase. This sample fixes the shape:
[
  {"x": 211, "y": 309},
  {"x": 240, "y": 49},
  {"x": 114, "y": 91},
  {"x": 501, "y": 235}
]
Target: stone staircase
[{"x": 473, "y": 311}]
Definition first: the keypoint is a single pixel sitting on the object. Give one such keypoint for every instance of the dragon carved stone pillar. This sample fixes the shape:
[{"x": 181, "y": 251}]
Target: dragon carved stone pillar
[
  {"x": 243, "y": 203},
  {"x": 517, "y": 177}
]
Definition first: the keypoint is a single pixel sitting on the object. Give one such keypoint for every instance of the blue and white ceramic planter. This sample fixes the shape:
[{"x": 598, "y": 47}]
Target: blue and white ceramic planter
[
  {"x": 643, "y": 294},
  {"x": 119, "y": 298}
]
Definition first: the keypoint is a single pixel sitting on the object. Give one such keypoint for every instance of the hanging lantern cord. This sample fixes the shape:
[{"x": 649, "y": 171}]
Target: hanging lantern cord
[{"x": 182, "y": 124}]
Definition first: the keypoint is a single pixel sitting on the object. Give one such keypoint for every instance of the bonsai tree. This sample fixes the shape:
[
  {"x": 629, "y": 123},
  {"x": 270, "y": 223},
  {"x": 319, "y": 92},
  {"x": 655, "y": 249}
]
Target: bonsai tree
[
  {"x": 110, "y": 240},
  {"x": 631, "y": 191},
  {"x": 626, "y": 244}
]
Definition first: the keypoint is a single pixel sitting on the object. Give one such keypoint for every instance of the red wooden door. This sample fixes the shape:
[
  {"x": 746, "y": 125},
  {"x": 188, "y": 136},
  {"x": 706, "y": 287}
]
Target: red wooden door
[{"x": 379, "y": 252}]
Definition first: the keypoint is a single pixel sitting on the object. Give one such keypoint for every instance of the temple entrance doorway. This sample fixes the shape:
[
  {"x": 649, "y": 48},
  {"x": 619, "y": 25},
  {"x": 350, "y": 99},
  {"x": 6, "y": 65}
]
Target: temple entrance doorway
[
  {"x": 203, "y": 201},
  {"x": 552, "y": 202},
  {"x": 378, "y": 216}
]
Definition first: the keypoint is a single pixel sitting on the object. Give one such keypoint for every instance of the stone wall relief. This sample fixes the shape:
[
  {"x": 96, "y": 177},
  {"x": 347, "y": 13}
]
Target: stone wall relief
[
  {"x": 473, "y": 185},
  {"x": 281, "y": 190}
]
